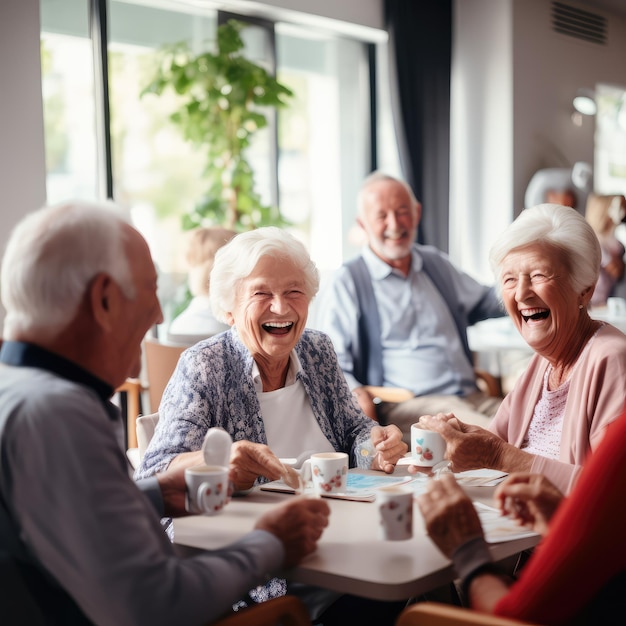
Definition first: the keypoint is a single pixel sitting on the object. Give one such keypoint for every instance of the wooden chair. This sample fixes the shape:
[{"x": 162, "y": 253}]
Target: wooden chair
[
  {"x": 435, "y": 614},
  {"x": 132, "y": 388},
  {"x": 283, "y": 611},
  {"x": 161, "y": 360},
  {"x": 486, "y": 382}
]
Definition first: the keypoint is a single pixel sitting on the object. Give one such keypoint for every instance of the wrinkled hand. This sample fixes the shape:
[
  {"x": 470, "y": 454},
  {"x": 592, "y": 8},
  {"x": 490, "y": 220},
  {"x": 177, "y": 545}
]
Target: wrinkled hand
[
  {"x": 449, "y": 515},
  {"x": 250, "y": 460},
  {"x": 173, "y": 489},
  {"x": 530, "y": 499},
  {"x": 299, "y": 524},
  {"x": 389, "y": 447},
  {"x": 467, "y": 446}
]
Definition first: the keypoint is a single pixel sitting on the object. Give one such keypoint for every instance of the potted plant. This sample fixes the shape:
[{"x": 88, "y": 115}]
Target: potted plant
[{"x": 221, "y": 95}]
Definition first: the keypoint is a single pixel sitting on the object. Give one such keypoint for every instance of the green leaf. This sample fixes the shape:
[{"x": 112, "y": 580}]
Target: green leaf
[{"x": 219, "y": 94}]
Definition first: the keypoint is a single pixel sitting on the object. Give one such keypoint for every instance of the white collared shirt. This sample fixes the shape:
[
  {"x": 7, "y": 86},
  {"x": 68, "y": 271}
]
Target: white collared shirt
[{"x": 422, "y": 350}]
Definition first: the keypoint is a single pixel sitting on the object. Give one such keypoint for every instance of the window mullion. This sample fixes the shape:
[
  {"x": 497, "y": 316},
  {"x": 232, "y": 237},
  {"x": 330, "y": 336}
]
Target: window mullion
[{"x": 99, "y": 41}]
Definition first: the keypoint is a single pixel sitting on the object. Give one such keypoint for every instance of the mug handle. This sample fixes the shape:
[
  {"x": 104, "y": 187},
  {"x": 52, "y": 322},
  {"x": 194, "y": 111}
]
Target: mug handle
[
  {"x": 201, "y": 499},
  {"x": 305, "y": 471}
]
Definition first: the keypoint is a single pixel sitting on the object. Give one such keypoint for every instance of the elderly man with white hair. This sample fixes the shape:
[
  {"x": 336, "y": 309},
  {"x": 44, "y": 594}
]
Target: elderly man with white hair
[{"x": 80, "y": 291}]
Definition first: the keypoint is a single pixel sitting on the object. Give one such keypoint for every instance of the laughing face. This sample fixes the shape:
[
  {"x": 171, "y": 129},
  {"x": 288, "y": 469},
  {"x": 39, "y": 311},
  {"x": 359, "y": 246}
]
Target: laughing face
[
  {"x": 539, "y": 298},
  {"x": 271, "y": 309},
  {"x": 389, "y": 217}
]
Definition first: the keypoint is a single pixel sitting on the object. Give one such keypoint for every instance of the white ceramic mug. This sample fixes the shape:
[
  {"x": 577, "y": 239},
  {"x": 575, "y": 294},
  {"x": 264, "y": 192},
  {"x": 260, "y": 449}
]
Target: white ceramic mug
[
  {"x": 207, "y": 489},
  {"x": 427, "y": 447},
  {"x": 328, "y": 471},
  {"x": 395, "y": 510}
]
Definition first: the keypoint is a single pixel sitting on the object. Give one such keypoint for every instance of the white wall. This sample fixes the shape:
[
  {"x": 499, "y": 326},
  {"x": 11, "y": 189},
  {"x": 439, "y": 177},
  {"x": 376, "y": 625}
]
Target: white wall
[
  {"x": 513, "y": 84},
  {"x": 22, "y": 165},
  {"x": 548, "y": 69},
  {"x": 481, "y": 144}
]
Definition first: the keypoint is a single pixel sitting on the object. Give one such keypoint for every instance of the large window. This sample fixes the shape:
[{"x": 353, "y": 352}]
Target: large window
[
  {"x": 309, "y": 161},
  {"x": 69, "y": 102},
  {"x": 610, "y": 140}
]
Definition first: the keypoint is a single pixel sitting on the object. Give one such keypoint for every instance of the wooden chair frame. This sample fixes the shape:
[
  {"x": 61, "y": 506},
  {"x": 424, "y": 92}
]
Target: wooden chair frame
[{"x": 436, "y": 614}]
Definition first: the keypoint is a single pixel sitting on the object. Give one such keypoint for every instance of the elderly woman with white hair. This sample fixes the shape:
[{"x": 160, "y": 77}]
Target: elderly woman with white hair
[
  {"x": 275, "y": 386},
  {"x": 546, "y": 264}
]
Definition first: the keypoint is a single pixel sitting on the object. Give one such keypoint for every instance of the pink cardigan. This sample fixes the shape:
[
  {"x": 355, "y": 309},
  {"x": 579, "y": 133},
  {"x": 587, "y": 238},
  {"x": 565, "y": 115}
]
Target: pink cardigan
[{"x": 596, "y": 398}]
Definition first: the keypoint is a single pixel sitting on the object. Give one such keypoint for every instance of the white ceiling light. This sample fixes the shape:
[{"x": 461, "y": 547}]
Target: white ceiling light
[{"x": 585, "y": 102}]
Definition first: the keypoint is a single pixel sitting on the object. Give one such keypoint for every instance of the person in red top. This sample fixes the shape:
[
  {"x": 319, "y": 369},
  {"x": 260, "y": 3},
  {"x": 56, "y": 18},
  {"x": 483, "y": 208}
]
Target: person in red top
[{"x": 577, "y": 574}]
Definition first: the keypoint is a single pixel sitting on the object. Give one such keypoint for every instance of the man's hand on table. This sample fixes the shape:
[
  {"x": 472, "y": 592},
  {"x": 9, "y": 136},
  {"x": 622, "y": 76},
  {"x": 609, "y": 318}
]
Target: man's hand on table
[
  {"x": 173, "y": 490},
  {"x": 389, "y": 447},
  {"x": 298, "y": 524}
]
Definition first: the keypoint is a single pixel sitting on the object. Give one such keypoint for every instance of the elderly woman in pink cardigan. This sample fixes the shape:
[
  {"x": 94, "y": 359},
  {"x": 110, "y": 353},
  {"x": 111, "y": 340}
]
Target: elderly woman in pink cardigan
[{"x": 546, "y": 265}]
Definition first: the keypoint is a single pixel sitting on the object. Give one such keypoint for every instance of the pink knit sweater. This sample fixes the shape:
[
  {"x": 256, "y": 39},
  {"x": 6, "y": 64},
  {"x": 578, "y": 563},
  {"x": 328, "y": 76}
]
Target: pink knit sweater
[{"x": 596, "y": 398}]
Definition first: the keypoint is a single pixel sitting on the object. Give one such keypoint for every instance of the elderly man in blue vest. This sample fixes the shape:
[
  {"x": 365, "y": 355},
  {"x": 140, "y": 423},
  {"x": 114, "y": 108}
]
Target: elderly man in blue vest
[{"x": 398, "y": 316}]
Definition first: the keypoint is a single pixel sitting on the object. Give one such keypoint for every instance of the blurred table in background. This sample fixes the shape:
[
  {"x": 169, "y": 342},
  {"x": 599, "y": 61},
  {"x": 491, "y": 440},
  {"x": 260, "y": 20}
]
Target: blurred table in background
[
  {"x": 500, "y": 350},
  {"x": 615, "y": 317}
]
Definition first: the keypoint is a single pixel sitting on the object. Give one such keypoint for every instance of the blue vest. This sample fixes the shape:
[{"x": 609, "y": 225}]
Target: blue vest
[{"x": 368, "y": 354}]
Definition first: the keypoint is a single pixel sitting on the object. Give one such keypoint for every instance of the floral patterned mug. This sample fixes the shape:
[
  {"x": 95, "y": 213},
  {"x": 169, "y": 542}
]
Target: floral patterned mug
[
  {"x": 395, "y": 508},
  {"x": 328, "y": 472}
]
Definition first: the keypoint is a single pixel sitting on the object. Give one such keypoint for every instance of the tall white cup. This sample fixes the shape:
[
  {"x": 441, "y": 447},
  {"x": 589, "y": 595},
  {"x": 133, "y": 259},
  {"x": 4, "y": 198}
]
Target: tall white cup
[{"x": 395, "y": 510}]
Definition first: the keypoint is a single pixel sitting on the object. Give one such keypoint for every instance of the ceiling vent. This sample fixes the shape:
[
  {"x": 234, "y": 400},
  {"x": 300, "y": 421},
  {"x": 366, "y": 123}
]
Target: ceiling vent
[{"x": 574, "y": 22}]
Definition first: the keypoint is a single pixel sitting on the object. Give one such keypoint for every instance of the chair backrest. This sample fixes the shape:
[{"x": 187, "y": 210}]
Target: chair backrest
[
  {"x": 145, "y": 425},
  {"x": 161, "y": 360},
  {"x": 435, "y": 614}
]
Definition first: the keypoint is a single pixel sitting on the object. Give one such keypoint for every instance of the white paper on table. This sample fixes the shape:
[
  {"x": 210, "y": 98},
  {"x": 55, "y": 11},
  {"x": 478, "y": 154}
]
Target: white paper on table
[
  {"x": 498, "y": 527},
  {"x": 361, "y": 487},
  {"x": 480, "y": 477},
  {"x": 470, "y": 478}
]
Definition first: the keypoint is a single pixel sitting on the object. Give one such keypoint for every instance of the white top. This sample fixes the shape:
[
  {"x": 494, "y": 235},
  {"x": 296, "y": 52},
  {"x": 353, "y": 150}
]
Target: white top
[
  {"x": 290, "y": 425},
  {"x": 545, "y": 430}
]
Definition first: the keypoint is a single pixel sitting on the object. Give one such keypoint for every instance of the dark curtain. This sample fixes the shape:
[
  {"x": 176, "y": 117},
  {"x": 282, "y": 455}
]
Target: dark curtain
[{"x": 420, "y": 56}]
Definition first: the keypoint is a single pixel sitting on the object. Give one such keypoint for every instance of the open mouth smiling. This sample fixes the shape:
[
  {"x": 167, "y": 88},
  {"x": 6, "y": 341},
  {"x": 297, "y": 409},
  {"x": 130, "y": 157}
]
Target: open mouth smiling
[
  {"x": 535, "y": 314},
  {"x": 277, "y": 328}
]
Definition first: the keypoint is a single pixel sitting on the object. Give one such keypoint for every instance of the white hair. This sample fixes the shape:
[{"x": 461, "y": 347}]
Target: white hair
[
  {"x": 375, "y": 177},
  {"x": 50, "y": 259},
  {"x": 558, "y": 226},
  {"x": 238, "y": 258}
]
